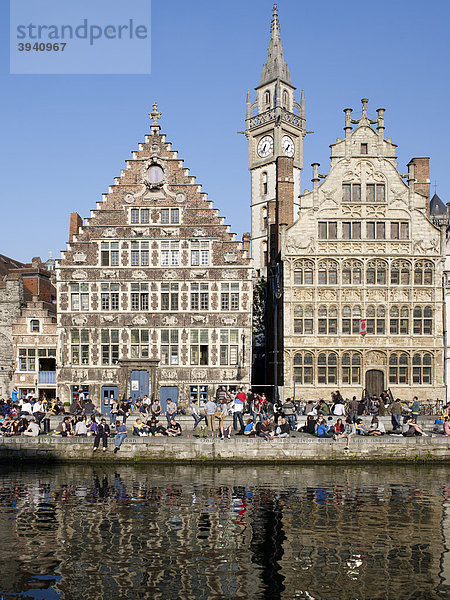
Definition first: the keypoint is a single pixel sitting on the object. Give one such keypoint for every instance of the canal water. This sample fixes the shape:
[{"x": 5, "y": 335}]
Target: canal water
[{"x": 315, "y": 532}]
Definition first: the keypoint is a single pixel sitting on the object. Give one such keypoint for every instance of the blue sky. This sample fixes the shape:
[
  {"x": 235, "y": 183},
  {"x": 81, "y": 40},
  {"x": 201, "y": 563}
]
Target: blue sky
[{"x": 65, "y": 137}]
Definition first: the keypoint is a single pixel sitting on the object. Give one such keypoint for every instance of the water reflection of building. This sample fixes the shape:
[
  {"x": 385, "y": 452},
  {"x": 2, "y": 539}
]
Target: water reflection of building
[{"x": 233, "y": 533}]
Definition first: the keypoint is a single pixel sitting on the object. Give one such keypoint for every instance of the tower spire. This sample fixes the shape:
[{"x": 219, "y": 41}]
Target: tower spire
[{"x": 275, "y": 67}]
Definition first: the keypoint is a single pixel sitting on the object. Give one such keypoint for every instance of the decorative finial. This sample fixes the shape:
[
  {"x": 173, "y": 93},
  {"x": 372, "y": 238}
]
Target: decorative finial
[
  {"x": 364, "y": 108},
  {"x": 155, "y": 115}
]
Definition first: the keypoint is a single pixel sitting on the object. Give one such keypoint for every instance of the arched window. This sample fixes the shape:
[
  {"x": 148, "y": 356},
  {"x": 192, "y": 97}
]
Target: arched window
[
  {"x": 34, "y": 326},
  {"x": 351, "y": 318},
  {"x": 267, "y": 98},
  {"x": 328, "y": 270},
  {"x": 265, "y": 221},
  {"x": 376, "y": 272},
  {"x": 303, "y": 320},
  {"x": 351, "y": 272},
  {"x": 423, "y": 320},
  {"x": 400, "y": 272},
  {"x": 399, "y": 320},
  {"x": 351, "y": 368},
  {"x": 423, "y": 272},
  {"x": 398, "y": 368},
  {"x": 304, "y": 272},
  {"x": 327, "y": 368},
  {"x": 286, "y": 100},
  {"x": 264, "y": 184},
  {"x": 327, "y": 319},
  {"x": 303, "y": 367},
  {"x": 376, "y": 320},
  {"x": 422, "y": 368}
]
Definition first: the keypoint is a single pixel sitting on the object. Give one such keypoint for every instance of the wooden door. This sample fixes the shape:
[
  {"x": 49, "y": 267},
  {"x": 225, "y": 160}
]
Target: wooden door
[{"x": 374, "y": 382}]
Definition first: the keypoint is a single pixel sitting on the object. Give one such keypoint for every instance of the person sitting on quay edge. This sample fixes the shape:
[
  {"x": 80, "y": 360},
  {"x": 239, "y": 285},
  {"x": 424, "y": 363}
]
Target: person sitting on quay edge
[
  {"x": 264, "y": 430},
  {"x": 66, "y": 427},
  {"x": 121, "y": 434},
  {"x": 348, "y": 432},
  {"x": 249, "y": 428},
  {"x": 155, "y": 428},
  {"x": 139, "y": 428},
  {"x": 33, "y": 429},
  {"x": 124, "y": 409},
  {"x": 322, "y": 428},
  {"x": 446, "y": 426},
  {"x": 81, "y": 429},
  {"x": 339, "y": 427},
  {"x": 413, "y": 428},
  {"x": 155, "y": 407},
  {"x": 360, "y": 428},
  {"x": 283, "y": 429},
  {"x": 376, "y": 427},
  {"x": 103, "y": 431},
  {"x": 310, "y": 425},
  {"x": 174, "y": 429}
]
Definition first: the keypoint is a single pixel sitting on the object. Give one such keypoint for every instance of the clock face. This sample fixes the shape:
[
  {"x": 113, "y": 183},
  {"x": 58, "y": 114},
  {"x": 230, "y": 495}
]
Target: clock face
[
  {"x": 265, "y": 146},
  {"x": 287, "y": 144}
]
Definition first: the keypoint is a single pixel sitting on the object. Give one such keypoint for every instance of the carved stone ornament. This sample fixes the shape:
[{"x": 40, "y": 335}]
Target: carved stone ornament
[
  {"x": 154, "y": 185},
  {"x": 79, "y": 275},
  {"x": 139, "y": 320},
  {"x": 180, "y": 198},
  {"x": 228, "y": 374},
  {"x": 109, "y": 318},
  {"x": 109, "y": 233},
  {"x": 130, "y": 198},
  {"x": 199, "y": 319},
  {"x": 198, "y": 274},
  {"x": 327, "y": 295},
  {"x": 109, "y": 274},
  {"x": 169, "y": 374},
  {"x": 304, "y": 294},
  {"x": 426, "y": 247},
  {"x": 230, "y": 257},
  {"x": 170, "y": 232},
  {"x": 294, "y": 245},
  {"x": 172, "y": 320},
  {"x": 140, "y": 231},
  {"x": 230, "y": 274},
  {"x": 80, "y": 375},
  {"x": 199, "y": 233},
  {"x": 229, "y": 321},
  {"x": 351, "y": 211},
  {"x": 200, "y": 374},
  {"x": 375, "y": 358},
  {"x": 79, "y": 257},
  {"x": 109, "y": 375},
  {"x": 139, "y": 275},
  {"x": 170, "y": 275}
]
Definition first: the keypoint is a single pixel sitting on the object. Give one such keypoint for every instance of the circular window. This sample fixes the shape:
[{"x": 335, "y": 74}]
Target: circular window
[{"x": 155, "y": 174}]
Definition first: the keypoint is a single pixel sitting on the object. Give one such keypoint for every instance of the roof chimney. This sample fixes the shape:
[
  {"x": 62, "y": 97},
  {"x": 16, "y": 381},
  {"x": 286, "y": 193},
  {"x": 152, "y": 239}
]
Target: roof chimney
[{"x": 75, "y": 223}]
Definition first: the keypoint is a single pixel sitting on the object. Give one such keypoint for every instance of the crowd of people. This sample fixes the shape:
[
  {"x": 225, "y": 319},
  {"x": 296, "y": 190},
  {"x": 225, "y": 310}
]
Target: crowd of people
[{"x": 252, "y": 415}]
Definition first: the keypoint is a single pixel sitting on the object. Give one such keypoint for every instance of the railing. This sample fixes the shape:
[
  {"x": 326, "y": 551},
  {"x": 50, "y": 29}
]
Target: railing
[{"x": 47, "y": 377}]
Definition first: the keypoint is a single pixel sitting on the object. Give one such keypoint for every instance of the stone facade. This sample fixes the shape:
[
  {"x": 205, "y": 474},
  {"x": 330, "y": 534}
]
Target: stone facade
[
  {"x": 11, "y": 300},
  {"x": 362, "y": 282},
  {"x": 34, "y": 338},
  {"x": 154, "y": 292}
]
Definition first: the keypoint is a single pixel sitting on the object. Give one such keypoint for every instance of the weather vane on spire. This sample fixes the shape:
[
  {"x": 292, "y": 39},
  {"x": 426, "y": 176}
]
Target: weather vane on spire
[{"x": 155, "y": 115}]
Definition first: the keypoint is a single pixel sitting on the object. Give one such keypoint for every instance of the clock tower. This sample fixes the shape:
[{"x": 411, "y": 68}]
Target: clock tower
[{"x": 275, "y": 128}]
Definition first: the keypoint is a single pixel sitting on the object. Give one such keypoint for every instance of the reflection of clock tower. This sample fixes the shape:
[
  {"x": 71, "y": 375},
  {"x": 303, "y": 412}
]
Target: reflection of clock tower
[{"x": 275, "y": 131}]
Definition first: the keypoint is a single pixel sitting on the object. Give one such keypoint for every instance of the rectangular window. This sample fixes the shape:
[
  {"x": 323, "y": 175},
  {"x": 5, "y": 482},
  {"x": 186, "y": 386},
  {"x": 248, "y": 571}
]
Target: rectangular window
[
  {"x": 170, "y": 254},
  {"x": 328, "y": 230},
  {"x": 199, "y": 347},
  {"x": 79, "y": 296},
  {"x": 395, "y": 231},
  {"x": 79, "y": 340},
  {"x": 139, "y": 254},
  {"x": 351, "y": 230},
  {"x": 140, "y": 340},
  {"x": 169, "y": 296},
  {"x": 175, "y": 215},
  {"x": 139, "y": 296},
  {"x": 199, "y": 253},
  {"x": 364, "y": 148},
  {"x": 110, "y": 346},
  {"x": 109, "y": 254},
  {"x": 404, "y": 230},
  {"x": 27, "y": 359},
  {"x": 229, "y": 339},
  {"x": 134, "y": 215},
  {"x": 351, "y": 192},
  {"x": 375, "y": 193},
  {"x": 145, "y": 215},
  {"x": 165, "y": 216},
  {"x": 381, "y": 231},
  {"x": 229, "y": 297},
  {"x": 169, "y": 347},
  {"x": 110, "y": 296},
  {"x": 199, "y": 296}
]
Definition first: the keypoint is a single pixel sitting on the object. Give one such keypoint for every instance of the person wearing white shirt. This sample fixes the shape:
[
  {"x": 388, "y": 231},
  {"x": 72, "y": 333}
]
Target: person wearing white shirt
[{"x": 339, "y": 409}]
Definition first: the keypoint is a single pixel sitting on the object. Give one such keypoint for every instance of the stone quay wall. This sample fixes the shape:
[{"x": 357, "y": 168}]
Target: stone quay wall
[{"x": 234, "y": 451}]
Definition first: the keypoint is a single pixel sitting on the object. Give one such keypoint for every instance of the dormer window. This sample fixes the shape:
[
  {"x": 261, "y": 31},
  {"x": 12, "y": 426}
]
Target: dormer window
[
  {"x": 34, "y": 326},
  {"x": 364, "y": 149}
]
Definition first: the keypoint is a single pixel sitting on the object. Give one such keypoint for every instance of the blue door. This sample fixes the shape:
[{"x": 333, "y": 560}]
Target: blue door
[
  {"x": 139, "y": 384},
  {"x": 109, "y": 393},
  {"x": 168, "y": 392}
]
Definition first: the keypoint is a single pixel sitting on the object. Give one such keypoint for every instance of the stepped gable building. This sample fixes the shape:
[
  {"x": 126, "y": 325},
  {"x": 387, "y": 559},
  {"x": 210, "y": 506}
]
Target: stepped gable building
[
  {"x": 362, "y": 275},
  {"x": 154, "y": 292}
]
